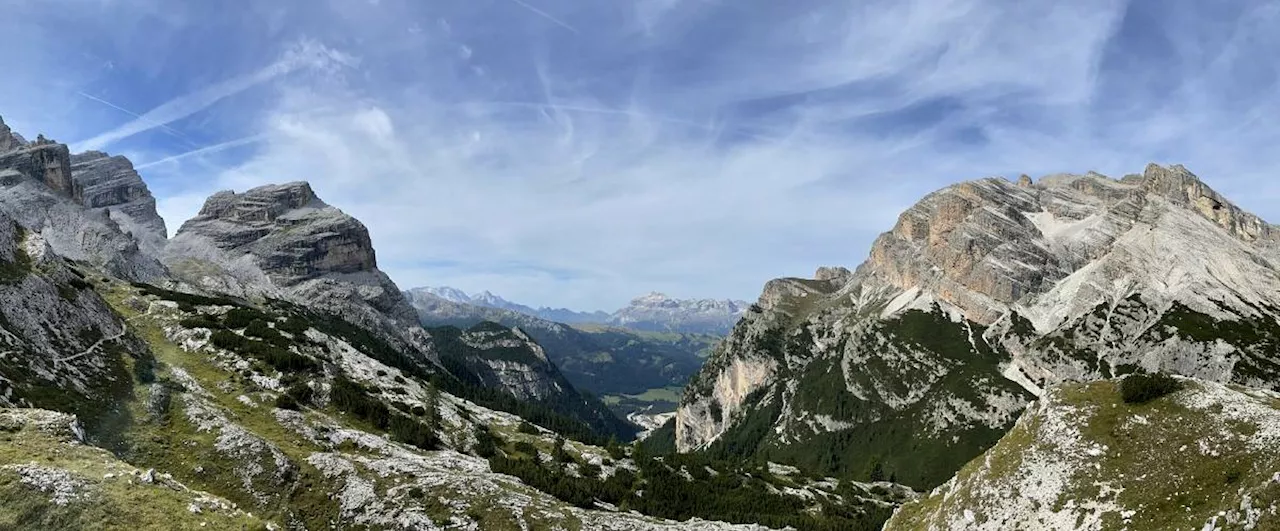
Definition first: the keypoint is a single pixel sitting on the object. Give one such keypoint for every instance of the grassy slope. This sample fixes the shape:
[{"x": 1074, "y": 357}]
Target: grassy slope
[
  {"x": 1160, "y": 465},
  {"x": 109, "y": 494}
]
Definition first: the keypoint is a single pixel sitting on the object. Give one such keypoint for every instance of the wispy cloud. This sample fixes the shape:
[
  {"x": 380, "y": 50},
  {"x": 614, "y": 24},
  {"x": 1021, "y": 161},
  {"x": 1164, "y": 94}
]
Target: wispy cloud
[
  {"x": 702, "y": 147},
  {"x": 304, "y": 55}
]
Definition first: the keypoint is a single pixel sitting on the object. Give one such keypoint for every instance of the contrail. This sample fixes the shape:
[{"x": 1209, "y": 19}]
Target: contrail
[
  {"x": 546, "y": 15},
  {"x": 204, "y": 150},
  {"x": 164, "y": 127},
  {"x": 306, "y": 56}
]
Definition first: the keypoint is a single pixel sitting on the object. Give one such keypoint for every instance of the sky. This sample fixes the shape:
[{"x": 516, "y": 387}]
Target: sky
[{"x": 579, "y": 154}]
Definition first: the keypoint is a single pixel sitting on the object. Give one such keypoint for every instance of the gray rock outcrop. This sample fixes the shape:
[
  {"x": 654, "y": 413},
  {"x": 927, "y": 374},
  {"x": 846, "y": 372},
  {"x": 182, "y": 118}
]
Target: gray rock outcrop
[
  {"x": 39, "y": 188},
  {"x": 109, "y": 184},
  {"x": 283, "y": 241}
]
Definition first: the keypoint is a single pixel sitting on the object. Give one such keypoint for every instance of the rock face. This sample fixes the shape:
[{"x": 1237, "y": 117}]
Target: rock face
[
  {"x": 109, "y": 184},
  {"x": 282, "y": 241},
  {"x": 1081, "y": 458},
  {"x": 980, "y": 296},
  {"x": 40, "y": 189},
  {"x": 9, "y": 140},
  {"x": 658, "y": 312}
]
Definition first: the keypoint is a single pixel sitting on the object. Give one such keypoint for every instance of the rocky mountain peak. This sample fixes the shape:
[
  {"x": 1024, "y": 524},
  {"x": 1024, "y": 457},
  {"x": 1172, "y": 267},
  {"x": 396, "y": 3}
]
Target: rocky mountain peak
[
  {"x": 262, "y": 204},
  {"x": 838, "y": 274},
  {"x": 651, "y": 298},
  {"x": 1182, "y": 187},
  {"x": 43, "y": 160},
  {"x": 284, "y": 241},
  {"x": 983, "y": 247},
  {"x": 8, "y": 139},
  {"x": 45, "y": 192},
  {"x": 110, "y": 184}
]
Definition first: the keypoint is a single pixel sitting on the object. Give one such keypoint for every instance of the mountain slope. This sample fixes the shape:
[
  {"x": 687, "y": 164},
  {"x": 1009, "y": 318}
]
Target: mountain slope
[
  {"x": 605, "y": 361},
  {"x": 1205, "y": 457},
  {"x": 981, "y": 295},
  {"x": 260, "y": 408}
]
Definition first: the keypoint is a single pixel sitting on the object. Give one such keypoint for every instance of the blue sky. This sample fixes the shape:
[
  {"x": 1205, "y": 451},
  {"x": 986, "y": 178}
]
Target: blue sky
[{"x": 578, "y": 154}]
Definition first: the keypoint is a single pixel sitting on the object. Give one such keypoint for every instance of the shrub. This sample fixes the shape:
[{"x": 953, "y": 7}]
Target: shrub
[
  {"x": 409, "y": 431},
  {"x": 286, "y": 402},
  {"x": 1143, "y": 388},
  {"x": 527, "y": 429},
  {"x": 201, "y": 321},
  {"x": 350, "y": 397},
  {"x": 260, "y": 329},
  {"x": 293, "y": 325},
  {"x": 300, "y": 392},
  {"x": 486, "y": 442},
  {"x": 526, "y": 448},
  {"x": 242, "y": 317}
]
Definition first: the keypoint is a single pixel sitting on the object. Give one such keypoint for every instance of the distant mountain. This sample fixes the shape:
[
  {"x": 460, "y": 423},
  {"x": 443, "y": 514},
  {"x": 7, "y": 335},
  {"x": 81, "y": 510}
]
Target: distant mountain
[
  {"x": 660, "y": 313},
  {"x": 489, "y": 300},
  {"x": 605, "y": 360},
  {"x": 654, "y": 312}
]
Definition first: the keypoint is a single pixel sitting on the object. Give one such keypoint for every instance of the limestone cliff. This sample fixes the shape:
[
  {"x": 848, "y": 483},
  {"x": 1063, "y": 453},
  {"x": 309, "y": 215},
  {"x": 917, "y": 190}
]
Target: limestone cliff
[
  {"x": 40, "y": 189},
  {"x": 109, "y": 184},
  {"x": 282, "y": 241},
  {"x": 981, "y": 295}
]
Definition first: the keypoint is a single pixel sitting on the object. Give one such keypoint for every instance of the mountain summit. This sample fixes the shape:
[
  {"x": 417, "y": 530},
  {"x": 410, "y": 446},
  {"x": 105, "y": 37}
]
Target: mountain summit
[
  {"x": 982, "y": 295},
  {"x": 653, "y": 312}
]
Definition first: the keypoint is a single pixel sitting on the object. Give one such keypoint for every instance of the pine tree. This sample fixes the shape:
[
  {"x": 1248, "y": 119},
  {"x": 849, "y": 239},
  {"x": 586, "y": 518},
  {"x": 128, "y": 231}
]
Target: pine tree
[{"x": 433, "y": 407}]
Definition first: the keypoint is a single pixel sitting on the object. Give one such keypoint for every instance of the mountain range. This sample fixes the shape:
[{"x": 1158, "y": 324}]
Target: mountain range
[
  {"x": 653, "y": 312},
  {"x": 1072, "y": 352}
]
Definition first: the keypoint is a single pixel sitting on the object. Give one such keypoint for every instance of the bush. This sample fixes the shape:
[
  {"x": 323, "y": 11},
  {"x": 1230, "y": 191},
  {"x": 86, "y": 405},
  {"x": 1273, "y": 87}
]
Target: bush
[
  {"x": 409, "y": 431},
  {"x": 242, "y": 317},
  {"x": 350, "y": 397},
  {"x": 300, "y": 392},
  {"x": 1143, "y": 388},
  {"x": 293, "y": 325},
  {"x": 260, "y": 329},
  {"x": 201, "y": 321},
  {"x": 286, "y": 402},
  {"x": 280, "y": 358},
  {"x": 526, "y": 448},
  {"x": 527, "y": 429}
]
